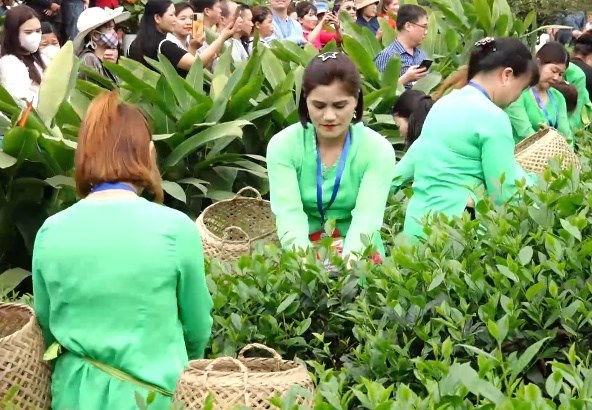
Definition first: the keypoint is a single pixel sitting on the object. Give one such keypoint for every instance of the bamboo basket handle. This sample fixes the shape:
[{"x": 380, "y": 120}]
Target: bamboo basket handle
[
  {"x": 248, "y": 188},
  {"x": 243, "y": 369},
  {"x": 276, "y": 356},
  {"x": 226, "y": 359},
  {"x": 236, "y": 229}
]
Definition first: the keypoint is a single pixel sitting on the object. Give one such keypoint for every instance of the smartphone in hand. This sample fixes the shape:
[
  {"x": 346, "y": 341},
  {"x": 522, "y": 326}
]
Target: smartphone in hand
[
  {"x": 198, "y": 24},
  {"x": 426, "y": 64}
]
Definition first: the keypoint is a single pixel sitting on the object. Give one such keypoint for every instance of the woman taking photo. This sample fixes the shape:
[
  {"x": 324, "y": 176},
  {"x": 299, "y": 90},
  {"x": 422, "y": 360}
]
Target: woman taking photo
[
  {"x": 21, "y": 64},
  {"x": 118, "y": 293},
  {"x": 97, "y": 40},
  {"x": 329, "y": 166},
  {"x": 541, "y": 105},
  {"x": 474, "y": 152},
  {"x": 183, "y": 29},
  {"x": 158, "y": 20}
]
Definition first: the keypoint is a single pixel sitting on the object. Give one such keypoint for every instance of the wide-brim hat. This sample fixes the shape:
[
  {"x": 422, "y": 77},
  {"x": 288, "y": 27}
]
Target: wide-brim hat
[
  {"x": 360, "y": 4},
  {"x": 93, "y": 18}
]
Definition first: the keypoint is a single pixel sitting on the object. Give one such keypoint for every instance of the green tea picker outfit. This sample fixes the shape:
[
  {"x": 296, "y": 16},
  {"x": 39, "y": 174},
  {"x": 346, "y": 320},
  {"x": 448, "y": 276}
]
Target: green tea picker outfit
[
  {"x": 580, "y": 118},
  {"x": 359, "y": 202},
  {"x": 457, "y": 153},
  {"x": 527, "y": 116},
  {"x": 120, "y": 282}
]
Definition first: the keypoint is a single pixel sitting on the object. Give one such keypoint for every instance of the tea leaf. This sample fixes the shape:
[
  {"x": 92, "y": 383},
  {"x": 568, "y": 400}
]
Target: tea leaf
[
  {"x": 525, "y": 255},
  {"x": 573, "y": 231},
  {"x": 286, "y": 303}
]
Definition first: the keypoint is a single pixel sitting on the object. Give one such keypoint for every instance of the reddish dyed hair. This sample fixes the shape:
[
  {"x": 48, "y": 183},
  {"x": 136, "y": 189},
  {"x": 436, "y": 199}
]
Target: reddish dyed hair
[{"x": 114, "y": 146}]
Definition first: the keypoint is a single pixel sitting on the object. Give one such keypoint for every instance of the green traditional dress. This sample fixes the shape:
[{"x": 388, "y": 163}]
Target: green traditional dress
[
  {"x": 455, "y": 154},
  {"x": 527, "y": 117},
  {"x": 120, "y": 282},
  {"x": 580, "y": 117},
  {"x": 360, "y": 202}
]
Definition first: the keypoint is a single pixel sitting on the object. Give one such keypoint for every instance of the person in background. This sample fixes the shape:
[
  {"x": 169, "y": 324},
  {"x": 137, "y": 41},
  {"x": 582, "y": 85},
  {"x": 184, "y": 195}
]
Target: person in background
[
  {"x": 158, "y": 20},
  {"x": 388, "y": 10},
  {"x": 71, "y": 10},
  {"x": 50, "y": 44},
  {"x": 211, "y": 11},
  {"x": 410, "y": 112},
  {"x": 49, "y": 11},
  {"x": 570, "y": 93},
  {"x": 347, "y": 7},
  {"x": 588, "y": 25},
  {"x": 329, "y": 166},
  {"x": 106, "y": 4},
  {"x": 311, "y": 25},
  {"x": 366, "y": 12},
  {"x": 263, "y": 25},
  {"x": 542, "y": 106},
  {"x": 284, "y": 27},
  {"x": 575, "y": 76},
  {"x": 322, "y": 8},
  {"x": 465, "y": 154},
  {"x": 21, "y": 63},
  {"x": 227, "y": 13},
  {"x": 5, "y": 5},
  {"x": 582, "y": 57},
  {"x": 97, "y": 40},
  {"x": 292, "y": 11},
  {"x": 454, "y": 81},
  {"x": 183, "y": 29},
  {"x": 145, "y": 310},
  {"x": 412, "y": 27},
  {"x": 239, "y": 42},
  {"x": 577, "y": 22}
]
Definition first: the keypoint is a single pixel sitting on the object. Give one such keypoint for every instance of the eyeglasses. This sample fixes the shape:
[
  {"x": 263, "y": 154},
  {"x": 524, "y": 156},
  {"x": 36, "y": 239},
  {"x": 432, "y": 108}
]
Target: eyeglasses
[{"x": 423, "y": 26}]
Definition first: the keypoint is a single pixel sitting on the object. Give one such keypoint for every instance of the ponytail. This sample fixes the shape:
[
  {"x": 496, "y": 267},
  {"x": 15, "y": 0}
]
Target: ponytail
[{"x": 417, "y": 119}]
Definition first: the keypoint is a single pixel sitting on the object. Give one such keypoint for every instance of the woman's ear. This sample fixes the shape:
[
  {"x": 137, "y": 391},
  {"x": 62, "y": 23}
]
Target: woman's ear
[{"x": 152, "y": 150}]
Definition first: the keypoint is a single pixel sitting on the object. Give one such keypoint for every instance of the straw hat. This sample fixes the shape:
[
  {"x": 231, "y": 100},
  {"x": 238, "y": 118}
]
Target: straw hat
[
  {"x": 93, "y": 18},
  {"x": 360, "y": 4}
]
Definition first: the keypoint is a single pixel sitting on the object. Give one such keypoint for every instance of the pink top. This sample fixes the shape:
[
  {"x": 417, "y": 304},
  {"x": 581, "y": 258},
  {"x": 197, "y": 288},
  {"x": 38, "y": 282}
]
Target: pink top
[
  {"x": 323, "y": 38},
  {"x": 316, "y": 42}
]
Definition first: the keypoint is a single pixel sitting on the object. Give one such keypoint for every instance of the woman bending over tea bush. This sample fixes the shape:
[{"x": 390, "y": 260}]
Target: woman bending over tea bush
[
  {"x": 478, "y": 147},
  {"x": 329, "y": 166},
  {"x": 119, "y": 281},
  {"x": 541, "y": 105}
]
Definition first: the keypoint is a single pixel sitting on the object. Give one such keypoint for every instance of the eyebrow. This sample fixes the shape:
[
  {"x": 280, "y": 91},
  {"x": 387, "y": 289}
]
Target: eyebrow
[{"x": 333, "y": 102}]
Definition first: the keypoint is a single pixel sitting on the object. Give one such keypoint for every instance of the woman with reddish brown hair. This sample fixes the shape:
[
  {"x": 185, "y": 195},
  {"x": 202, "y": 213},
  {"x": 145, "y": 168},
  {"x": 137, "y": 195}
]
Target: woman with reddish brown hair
[{"x": 118, "y": 280}]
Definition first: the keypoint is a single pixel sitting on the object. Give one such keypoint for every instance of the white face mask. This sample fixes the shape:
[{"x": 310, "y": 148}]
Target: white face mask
[
  {"x": 30, "y": 42},
  {"x": 50, "y": 51}
]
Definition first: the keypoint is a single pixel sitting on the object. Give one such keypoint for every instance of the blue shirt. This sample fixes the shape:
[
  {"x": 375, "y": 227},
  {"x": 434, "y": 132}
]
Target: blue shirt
[
  {"x": 288, "y": 29},
  {"x": 407, "y": 60},
  {"x": 372, "y": 24}
]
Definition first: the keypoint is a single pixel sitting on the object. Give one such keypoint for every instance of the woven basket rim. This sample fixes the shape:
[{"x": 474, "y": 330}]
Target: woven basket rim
[
  {"x": 26, "y": 327},
  {"x": 200, "y": 220},
  {"x": 198, "y": 366},
  {"x": 538, "y": 137}
]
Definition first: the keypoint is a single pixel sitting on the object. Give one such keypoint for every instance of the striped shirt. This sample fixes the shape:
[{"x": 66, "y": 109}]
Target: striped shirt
[{"x": 407, "y": 60}]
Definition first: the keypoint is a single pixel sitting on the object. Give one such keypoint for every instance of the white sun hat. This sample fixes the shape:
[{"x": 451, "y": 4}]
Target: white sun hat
[{"x": 93, "y": 18}]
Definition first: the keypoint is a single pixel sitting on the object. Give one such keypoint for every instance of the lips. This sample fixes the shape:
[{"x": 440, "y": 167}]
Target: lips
[{"x": 330, "y": 126}]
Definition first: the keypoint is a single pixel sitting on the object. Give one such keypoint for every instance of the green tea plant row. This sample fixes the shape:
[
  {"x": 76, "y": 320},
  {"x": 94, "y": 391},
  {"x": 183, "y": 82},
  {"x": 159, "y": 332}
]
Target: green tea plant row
[{"x": 491, "y": 314}]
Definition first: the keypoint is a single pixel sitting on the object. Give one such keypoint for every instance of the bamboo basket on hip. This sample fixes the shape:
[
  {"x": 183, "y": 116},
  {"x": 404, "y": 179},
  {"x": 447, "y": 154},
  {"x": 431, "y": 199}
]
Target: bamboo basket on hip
[
  {"x": 535, "y": 152},
  {"x": 234, "y": 227}
]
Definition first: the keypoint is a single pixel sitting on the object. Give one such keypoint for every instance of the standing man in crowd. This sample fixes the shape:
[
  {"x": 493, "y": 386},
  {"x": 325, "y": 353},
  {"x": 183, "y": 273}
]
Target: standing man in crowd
[
  {"x": 285, "y": 28},
  {"x": 211, "y": 11},
  {"x": 412, "y": 27},
  {"x": 71, "y": 10}
]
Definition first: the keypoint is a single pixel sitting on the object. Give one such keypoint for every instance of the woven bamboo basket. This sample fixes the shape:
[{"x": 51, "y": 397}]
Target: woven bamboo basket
[
  {"x": 534, "y": 152},
  {"x": 231, "y": 228},
  {"x": 21, "y": 359},
  {"x": 246, "y": 381}
]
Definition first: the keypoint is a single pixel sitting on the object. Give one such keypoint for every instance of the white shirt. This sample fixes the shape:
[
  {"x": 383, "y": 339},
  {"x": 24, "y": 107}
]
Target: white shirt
[
  {"x": 14, "y": 77},
  {"x": 238, "y": 51},
  {"x": 174, "y": 39}
]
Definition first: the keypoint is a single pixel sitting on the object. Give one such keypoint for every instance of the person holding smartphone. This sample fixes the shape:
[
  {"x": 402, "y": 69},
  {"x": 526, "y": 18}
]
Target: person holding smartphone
[{"x": 412, "y": 28}]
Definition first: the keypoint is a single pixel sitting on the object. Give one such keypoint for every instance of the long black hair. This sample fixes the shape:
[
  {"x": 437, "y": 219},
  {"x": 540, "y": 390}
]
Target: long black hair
[
  {"x": 414, "y": 106},
  {"x": 11, "y": 45},
  {"x": 148, "y": 34}
]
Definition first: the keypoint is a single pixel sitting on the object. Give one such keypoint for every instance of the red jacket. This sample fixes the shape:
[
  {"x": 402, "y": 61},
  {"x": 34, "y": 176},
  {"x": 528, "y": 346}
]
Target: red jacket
[{"x": 110, "y": 4}]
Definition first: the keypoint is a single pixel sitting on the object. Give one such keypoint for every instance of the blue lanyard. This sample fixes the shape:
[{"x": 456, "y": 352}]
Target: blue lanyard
[
  {"x": 113, "y": 185},
  {"x": 340, "y": 169},
  {"x": 544, "y": 109},
  {"x": 481, "y": 89}
]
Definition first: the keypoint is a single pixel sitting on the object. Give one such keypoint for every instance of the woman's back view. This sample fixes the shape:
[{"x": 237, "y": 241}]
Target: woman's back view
[{"x": 119, "y": 281}]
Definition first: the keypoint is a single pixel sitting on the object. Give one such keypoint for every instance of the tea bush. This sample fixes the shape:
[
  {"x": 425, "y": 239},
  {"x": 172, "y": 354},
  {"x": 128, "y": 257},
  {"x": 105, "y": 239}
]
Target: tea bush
[{"x": 490, "y": 313}]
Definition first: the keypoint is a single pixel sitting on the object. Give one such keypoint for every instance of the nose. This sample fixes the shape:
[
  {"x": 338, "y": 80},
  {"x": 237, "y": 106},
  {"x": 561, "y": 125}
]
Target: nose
[{"x": 328, "y": 115}]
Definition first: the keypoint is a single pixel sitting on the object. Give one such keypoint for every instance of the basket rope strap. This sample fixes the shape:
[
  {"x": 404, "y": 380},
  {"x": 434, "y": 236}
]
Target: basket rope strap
[
  {"x": 245, "y": 378},
  {"x": 55, "y": 349}
]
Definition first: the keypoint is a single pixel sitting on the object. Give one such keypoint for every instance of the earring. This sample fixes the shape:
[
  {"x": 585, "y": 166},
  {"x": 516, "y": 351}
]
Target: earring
[{"x": 355, "y": 115}]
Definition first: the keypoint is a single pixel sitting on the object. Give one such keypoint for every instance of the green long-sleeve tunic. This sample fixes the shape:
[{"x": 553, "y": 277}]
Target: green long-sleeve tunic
[
  {"x": 466, "y": 141},
  {"x": 360, "y": 202},
  {"x": 527, "y": 117},
  {"x": 120, "y": 281}
]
